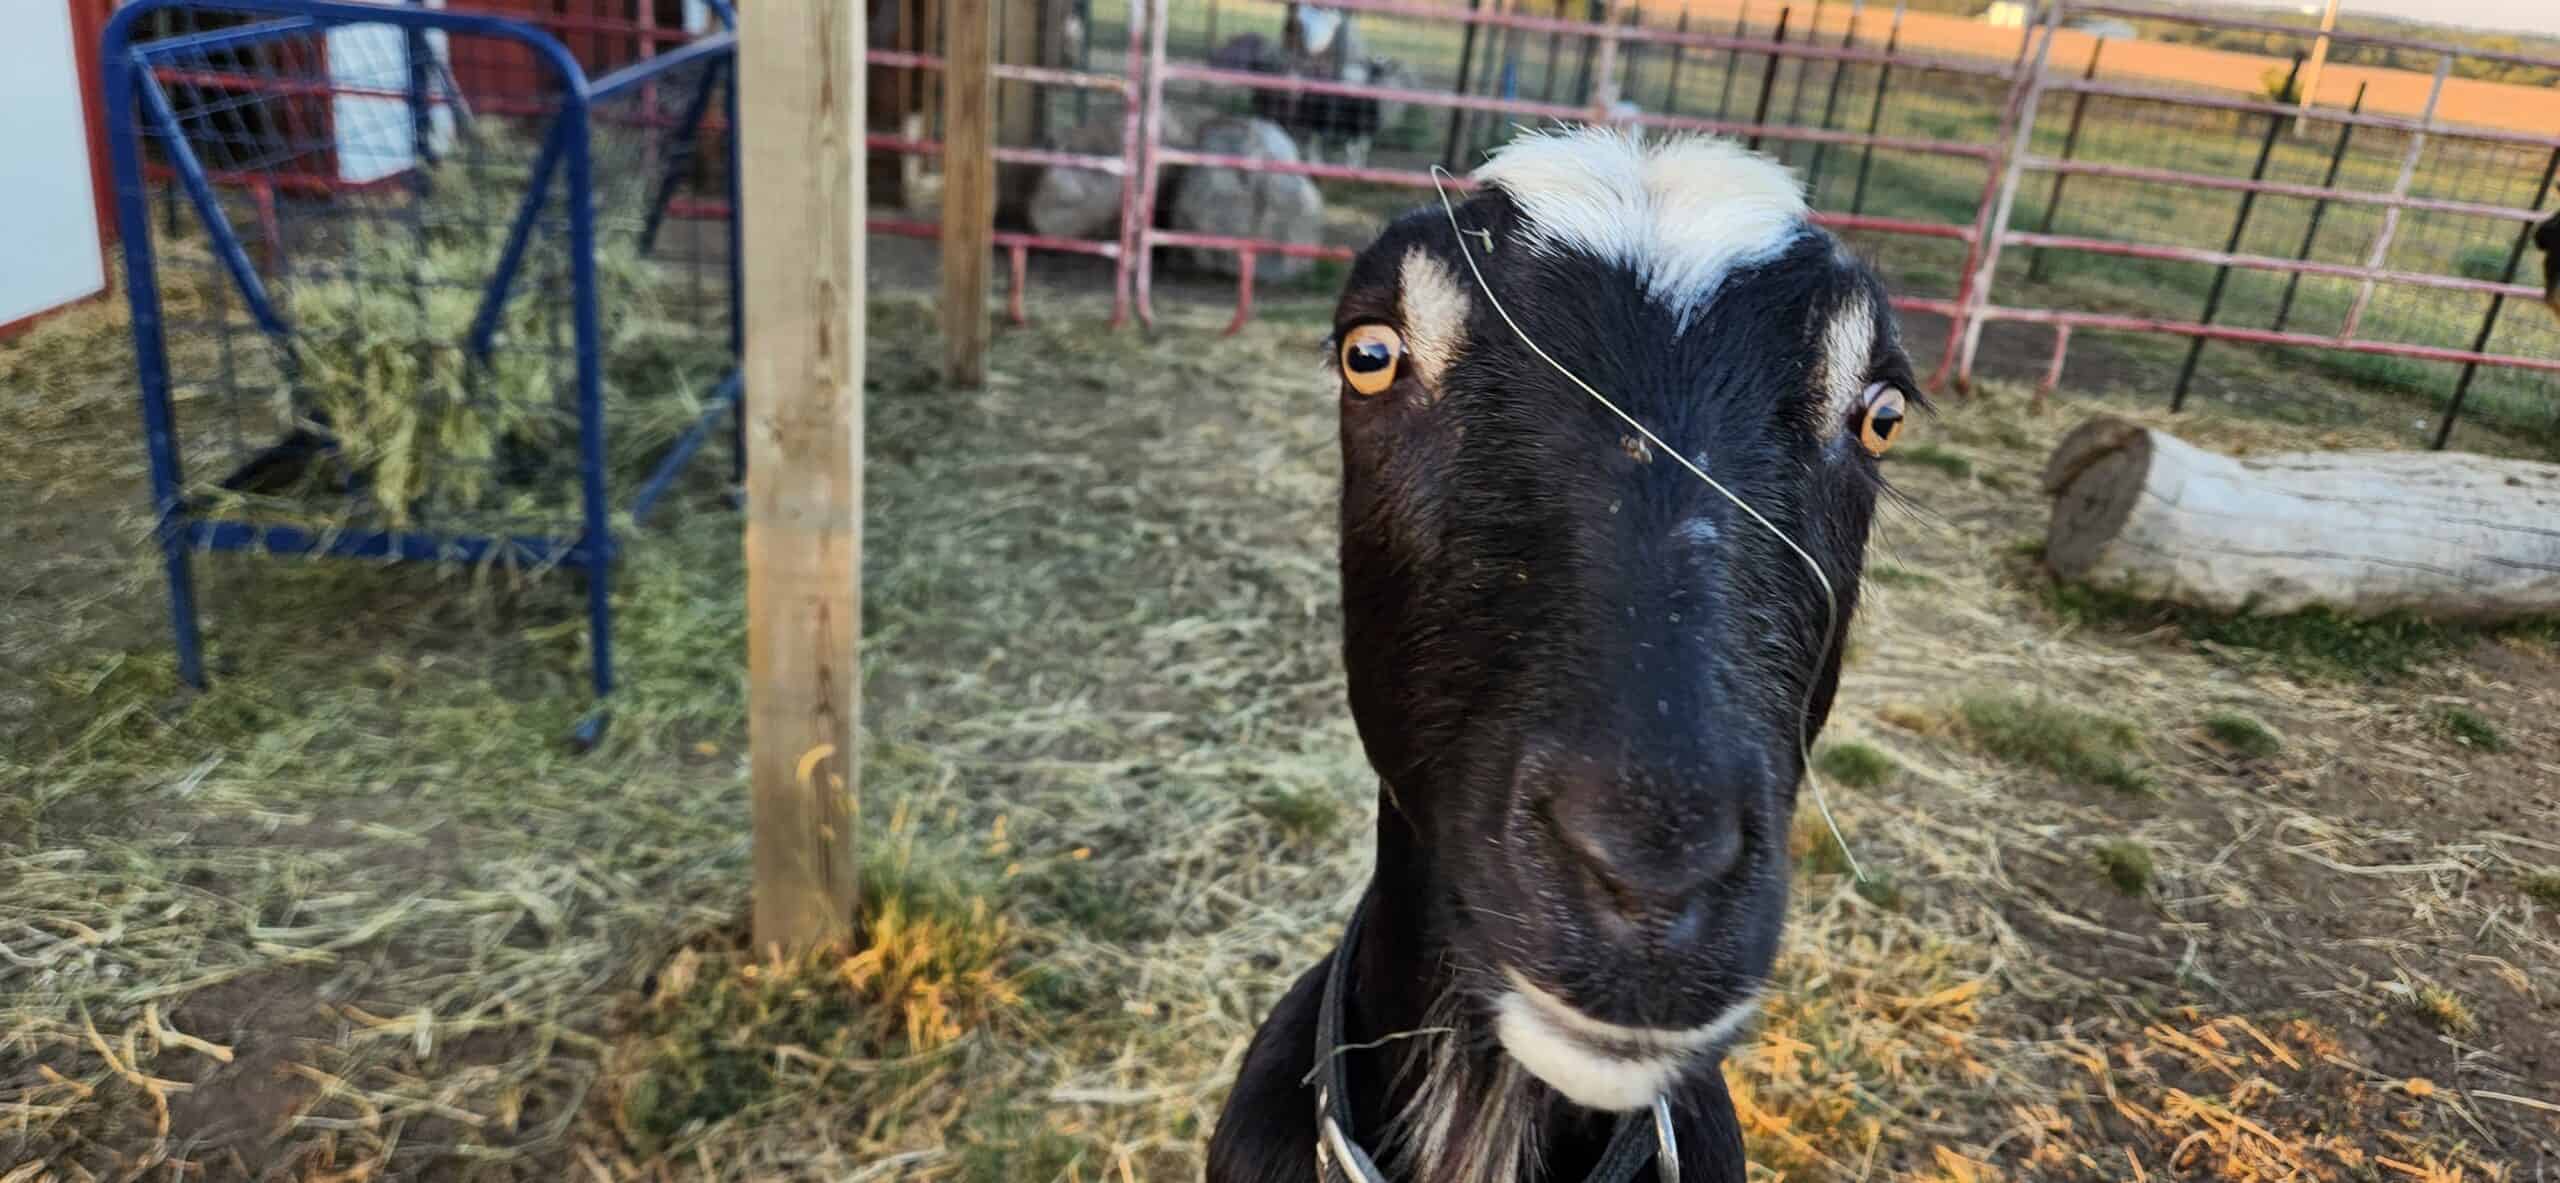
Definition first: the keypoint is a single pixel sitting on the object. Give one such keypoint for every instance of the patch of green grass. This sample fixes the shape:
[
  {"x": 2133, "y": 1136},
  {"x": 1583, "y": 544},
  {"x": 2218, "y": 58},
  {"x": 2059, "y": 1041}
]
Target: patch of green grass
[
  {"x": 2243, "y": 735},
  {"x": 1856, "y": 765},
  {"x": 2318, "y": 642},
  {"x": 1952, "y": 463},
  {"x": 2481, "y": 261},
  {"x": 2008, "y": 434},
  {"x": 2467, "y": 727},
  {"x": 1897, "y": 575},
  {"x": 2542, "y": 885},
  {"x": 2128, "y": 866},
  {"x": 927, "y": 968},
  {"x": 1306, "y": 813},
  {"x": 2378, "y": 371},
  {"x": 2443, "y": 1009},
  {"x": 1021, "y": 1144},
  {"x": 1076, "y": 894},
  {"x": 2065, "y": 740},
  {"x": 1880, "y": 888}
]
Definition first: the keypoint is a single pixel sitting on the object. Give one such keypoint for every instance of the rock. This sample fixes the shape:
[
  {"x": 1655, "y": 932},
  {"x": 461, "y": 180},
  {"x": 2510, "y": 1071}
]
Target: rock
[
  {"x": 1083, "y": 203},
  {"x": 1238, "y": 204},
  {"x": 1079, "y": 202}
]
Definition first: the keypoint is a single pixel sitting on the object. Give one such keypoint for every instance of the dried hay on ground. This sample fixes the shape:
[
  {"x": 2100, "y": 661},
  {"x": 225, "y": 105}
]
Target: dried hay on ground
[{"x": 351, "y": 914}]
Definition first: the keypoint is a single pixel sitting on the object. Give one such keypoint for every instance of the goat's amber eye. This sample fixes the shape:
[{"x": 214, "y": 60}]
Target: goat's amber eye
[
  {"x": 1371, "y": 354},
  {"x": 1880, "y": 418}
]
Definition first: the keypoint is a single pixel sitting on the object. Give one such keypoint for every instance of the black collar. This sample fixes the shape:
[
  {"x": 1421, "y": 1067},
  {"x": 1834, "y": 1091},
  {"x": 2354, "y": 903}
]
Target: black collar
[{"x": 1339, "y": 1159}]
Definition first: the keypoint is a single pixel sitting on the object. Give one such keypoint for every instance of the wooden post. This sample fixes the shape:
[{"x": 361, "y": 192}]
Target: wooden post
[
  {"x": 1021, "y": 121},
  {"x": 800, "y": 70},
  {"x": 2319, "y": 58},
  {"x": 968, "y": 188}
]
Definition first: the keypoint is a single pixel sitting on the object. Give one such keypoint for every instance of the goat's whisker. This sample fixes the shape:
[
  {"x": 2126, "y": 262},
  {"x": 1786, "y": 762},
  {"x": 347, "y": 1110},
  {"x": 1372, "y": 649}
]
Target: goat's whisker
[{"x": 1830, "y": 596}]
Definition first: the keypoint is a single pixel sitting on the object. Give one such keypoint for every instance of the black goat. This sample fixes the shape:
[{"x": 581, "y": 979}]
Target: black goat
[
  {"x": 2547, "y": 236},
  {"x": 1314, "y": 120},
  {"x": 1586, "y": 677}
]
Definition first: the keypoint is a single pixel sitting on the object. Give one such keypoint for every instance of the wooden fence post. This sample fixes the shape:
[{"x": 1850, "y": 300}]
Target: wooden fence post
[
  {"x": 968, "y": 189},
  {"x": 800, "y": 70}
]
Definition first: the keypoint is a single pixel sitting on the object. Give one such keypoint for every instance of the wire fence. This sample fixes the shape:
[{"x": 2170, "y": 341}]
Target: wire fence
[
  {"x": 2039, "y": 174},
  {"x": 418, "y": 284}
]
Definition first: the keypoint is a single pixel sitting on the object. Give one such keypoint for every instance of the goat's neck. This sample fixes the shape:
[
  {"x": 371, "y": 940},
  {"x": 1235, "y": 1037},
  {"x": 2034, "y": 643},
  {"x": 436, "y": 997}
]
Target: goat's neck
[{"x": 1435, "y": 1097}]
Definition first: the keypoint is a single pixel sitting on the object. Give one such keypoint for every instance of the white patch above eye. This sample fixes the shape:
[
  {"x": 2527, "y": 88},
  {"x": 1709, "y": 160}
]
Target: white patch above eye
[
  {"x": 1848, "y": 343},
  {"x": 1683, "y": 212},
  {"x": 1595, "y": 1064},
  {"x": 1435, "y": 312}
]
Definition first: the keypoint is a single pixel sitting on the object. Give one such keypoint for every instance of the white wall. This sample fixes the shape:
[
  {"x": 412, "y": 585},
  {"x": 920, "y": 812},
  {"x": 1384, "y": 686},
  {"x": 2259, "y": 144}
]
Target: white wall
[
  {"x": 374, "y": 135},
  {"x": 53, "y": 254}
]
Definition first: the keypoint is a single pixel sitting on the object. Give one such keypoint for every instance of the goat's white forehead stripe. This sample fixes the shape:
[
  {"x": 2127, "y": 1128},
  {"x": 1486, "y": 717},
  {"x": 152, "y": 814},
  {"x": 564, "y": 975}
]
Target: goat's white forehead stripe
[
  {"x": 1682, "y": 212},
  {"x": 1848, "y": 344},
  {"x": 1435, "y": 316}
]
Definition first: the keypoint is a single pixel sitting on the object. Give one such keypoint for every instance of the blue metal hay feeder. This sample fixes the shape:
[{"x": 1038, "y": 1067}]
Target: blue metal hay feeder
[{"x": 287, "y": 141}]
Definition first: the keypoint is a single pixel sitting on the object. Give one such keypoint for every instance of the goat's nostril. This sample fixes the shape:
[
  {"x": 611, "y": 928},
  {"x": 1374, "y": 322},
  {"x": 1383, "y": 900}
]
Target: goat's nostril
[
  {"x": 1719, "y": 855},
  {"x": 1640, "y": 868}
]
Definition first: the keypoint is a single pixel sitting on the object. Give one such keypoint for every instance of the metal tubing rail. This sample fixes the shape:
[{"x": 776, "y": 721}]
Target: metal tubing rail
[
  {"x": 1647, "y": 35},
  {"x": 1294, "y": 84},
  {"x": 2175, "y": 16},
  {"x": 2006, "y": 159},
  {"x": 2016, "y": 133},
  {"x": 1258, "y": 246},
  {"x": 2391, "y": 213},
  {"x": 1041, "y": 75},
  {"x": 1405, "y": 177},
  {"x": 705, "y": 48},
  {"x": 2117, "y": 322},
  {"x": 1124, "y": 252},
  {"x": 234, "y": 82},
  {"x": 1985, "y": 153},
  {"x": 2214, "y": 258},
  {"x": 1299, "y": 84},
  {"x": 2419, "y": 126},
  {"x": 1609, "y": 33},
  {"x": 2166, "y": 176},
  {"x": 911, "y": 228},
  {"x": 1902, "y": 226},
  {"x": 1111, "y": 165}
]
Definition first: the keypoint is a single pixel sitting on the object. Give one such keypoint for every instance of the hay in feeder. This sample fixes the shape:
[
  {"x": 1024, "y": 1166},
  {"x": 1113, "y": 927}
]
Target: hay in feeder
[{"x": 383, "y": 362}]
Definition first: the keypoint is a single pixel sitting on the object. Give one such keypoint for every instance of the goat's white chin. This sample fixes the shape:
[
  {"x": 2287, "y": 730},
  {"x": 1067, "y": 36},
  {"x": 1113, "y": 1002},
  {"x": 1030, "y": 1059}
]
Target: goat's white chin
[{"x": 1596, "y": 1064}]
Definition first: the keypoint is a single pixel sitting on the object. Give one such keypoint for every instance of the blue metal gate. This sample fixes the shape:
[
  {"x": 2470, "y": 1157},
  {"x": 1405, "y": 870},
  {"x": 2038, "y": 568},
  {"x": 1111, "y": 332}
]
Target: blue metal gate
[{"x": 432, "y": 284}]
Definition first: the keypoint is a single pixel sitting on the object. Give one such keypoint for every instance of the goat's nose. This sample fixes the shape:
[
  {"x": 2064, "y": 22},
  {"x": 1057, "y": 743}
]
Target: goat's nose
[{"x": 1648, "y": 861}]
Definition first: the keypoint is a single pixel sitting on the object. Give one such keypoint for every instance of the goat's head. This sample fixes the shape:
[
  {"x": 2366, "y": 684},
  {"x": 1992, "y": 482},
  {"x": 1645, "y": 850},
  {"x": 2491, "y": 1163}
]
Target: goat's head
[{"x": 1586, "y": 677}]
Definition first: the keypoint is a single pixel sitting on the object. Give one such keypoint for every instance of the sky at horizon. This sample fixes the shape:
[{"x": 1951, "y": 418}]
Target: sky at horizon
[{"x": 2529, "y": 16}]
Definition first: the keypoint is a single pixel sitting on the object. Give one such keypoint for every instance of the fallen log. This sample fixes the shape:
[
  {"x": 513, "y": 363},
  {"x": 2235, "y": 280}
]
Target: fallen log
[{"x": 2445, "y": 535}]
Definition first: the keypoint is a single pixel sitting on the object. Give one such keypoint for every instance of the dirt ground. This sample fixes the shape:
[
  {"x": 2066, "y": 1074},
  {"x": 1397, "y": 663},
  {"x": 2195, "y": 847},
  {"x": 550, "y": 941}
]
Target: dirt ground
[{"x": 354, "y": 914}]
